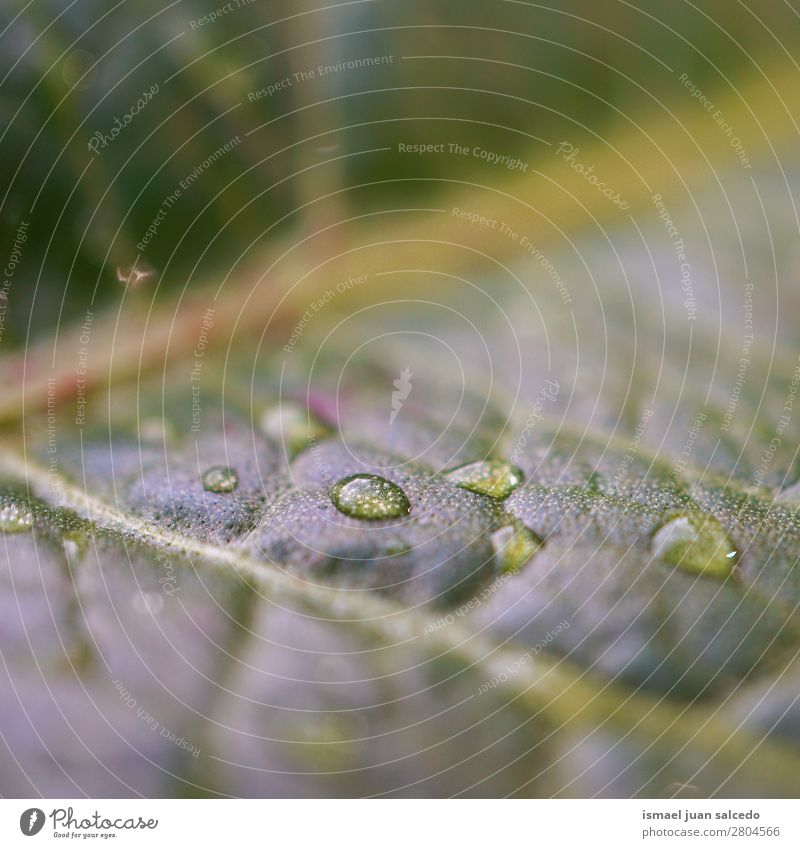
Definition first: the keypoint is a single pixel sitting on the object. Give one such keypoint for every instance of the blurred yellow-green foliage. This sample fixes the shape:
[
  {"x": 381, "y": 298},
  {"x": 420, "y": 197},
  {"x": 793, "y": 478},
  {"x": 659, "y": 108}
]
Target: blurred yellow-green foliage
[{"x": 158, "y": 89}]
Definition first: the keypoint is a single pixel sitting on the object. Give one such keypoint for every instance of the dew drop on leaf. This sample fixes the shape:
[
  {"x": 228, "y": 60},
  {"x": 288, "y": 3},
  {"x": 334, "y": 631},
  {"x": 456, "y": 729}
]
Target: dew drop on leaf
[
  {"x": 513, "y": 546},
  {"x": 75, "y": 544},
  {"x": 157, "y": 431},
  {"x": 370, "y": 497},
  {"x": 220, "y": 479},
  {"x": 493, "y": 477},
  {"x": 695, "y": 543},
  {"x": 289, "y": 424},
  {"x": 15, "y": 517}
]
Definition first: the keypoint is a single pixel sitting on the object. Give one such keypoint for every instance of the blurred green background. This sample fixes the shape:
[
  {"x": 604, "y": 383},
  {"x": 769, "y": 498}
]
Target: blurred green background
[{"x": 528, "y": 71}]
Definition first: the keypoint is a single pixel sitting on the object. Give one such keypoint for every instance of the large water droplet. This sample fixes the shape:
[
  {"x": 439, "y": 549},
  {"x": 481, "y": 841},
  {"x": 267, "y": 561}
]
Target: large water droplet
[
  {"x": 290, "y": 424},
  {"x": 369, "y": 496},
  {"x": 513, "y": 546},
  {"x": 493, "y": 477},
  {"x": 15, "y": 517},
  {"x": 220, "y": 479},
  {"x": 695, "y": 543}
]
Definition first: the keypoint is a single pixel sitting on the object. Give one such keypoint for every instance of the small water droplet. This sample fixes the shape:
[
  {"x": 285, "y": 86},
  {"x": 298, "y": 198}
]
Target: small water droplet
[
  {"x": 137, "y": 274},
  {"x": 289, "y": 424},
  {"x": 72, "y": 551},
  {"x": 513, "y": 546},
  {"x": 157, "y": 430},
  {"x": 696, "y": 543},
  {"x": 15, "y": 517},
  {"x": 76, "y": 543},
  {"x": 220, "y": 479},
  {"x": 369, "y": 496},
  {"x": 493, "y": 477}
]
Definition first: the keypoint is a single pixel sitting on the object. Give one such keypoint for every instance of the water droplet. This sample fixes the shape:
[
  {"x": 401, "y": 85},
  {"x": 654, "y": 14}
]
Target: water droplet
[
  {"x": 15, "y": 517},
  {"x": 137, "y": 274},
  {"x": 695, "y": 543},
  {"x": 220, "y": 479},
  {"x": 72, "y": 551},
  {"x": 289, "y": 424},
  {"x": 513, "y": 546},
  {"x": 369, "y": 496},
  {"x": 76, "y": 543},
  {"x": 157, "y": 430},
  {"x": 493, "y": 477}
]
